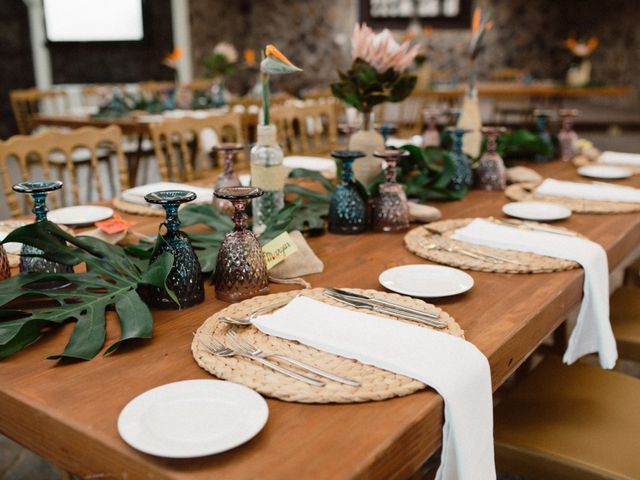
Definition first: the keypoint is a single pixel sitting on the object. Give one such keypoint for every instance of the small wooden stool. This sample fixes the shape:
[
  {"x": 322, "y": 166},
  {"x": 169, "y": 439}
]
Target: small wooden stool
[
  {"x": 570, "y": 422},
  {"x": 625, "y": 320}
]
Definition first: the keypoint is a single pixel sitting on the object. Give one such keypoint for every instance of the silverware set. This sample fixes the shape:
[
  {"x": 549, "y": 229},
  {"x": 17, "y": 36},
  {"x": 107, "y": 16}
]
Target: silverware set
[
  {"x": 239, "y": 347},
  {"x": 532, "y": 227}
]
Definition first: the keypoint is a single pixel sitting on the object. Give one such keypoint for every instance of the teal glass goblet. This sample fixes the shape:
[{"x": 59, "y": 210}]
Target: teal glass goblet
[
  {"x": 390, "y": 207},
  {"x": 348, "y": 210},
  {"x": 542, "y": 120},
  {"x": 30, "y": 257},
  {"x": 185, "y": 278},
  {"x": 462, "y": 175},
  {"x": 241, "y": 269}
]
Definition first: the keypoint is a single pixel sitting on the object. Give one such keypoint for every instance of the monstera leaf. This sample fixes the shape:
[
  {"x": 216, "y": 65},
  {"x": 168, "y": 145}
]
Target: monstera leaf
[{"x": 33, "y": 303}]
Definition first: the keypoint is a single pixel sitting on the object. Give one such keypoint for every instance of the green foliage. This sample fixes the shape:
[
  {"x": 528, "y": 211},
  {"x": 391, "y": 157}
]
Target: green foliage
[
  {"x": 31, "y": 303},
  {"x": 522, "y": 145},
  {"x": 217, "y": 65},
  {"x": 363, "y": 87}
]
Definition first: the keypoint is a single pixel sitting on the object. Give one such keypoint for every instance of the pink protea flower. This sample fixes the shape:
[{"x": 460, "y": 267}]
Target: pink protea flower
[{"x": 381, "y": 50}]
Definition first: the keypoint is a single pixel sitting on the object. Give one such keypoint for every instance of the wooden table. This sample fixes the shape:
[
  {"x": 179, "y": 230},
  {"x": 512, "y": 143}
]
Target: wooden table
[{"x": 67, "y": 412}]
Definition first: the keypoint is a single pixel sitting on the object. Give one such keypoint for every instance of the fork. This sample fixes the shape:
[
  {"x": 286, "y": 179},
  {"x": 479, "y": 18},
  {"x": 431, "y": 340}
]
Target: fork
[
  {"x": 216, "y": 348},
  {"x": 246, "y": 320},
  {"x": 244, "y": 346}
]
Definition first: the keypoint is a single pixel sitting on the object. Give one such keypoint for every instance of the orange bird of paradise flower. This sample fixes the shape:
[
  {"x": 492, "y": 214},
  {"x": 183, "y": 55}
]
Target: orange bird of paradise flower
[
  {"x": 249, "y": 56},
  {"x": 272, "y": 51},
  {"x": 170, "y": 59}
]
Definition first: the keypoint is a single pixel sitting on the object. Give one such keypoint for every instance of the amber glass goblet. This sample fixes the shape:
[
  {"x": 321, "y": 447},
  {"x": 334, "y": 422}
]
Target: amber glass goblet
[
  {"x": 390, "y": 207},
  {"x": 491, "y": 173},
  {"x": 241, "y": 269}
]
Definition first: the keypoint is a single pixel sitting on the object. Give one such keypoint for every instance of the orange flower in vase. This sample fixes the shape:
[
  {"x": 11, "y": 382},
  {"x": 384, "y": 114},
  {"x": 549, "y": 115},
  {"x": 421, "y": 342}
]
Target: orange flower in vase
[{"x": 579, "y": 73}]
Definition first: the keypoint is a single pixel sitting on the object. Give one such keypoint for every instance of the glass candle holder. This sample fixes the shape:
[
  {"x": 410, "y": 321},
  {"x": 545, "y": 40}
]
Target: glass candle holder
[
  {"x": 386, "y": 129},
  {"x": 348, "y": 210},
  {"x": 390, "y": 207},
  {"x": 542, "y": 119},
  {"x": 567, "y": 137},
  {"x": 28, "y": 261},
  {"x": 462, "y": 176},
  {"x": 491, "y": 173},
  {"x": 431, "y": 135},
  {"x": 241, "y": 269},
  {"x": 185, "y": 278},
  {"x": 228, "y": 177}
]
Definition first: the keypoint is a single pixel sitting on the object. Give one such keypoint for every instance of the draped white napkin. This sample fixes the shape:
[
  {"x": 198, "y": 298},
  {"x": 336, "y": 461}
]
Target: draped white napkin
[
  {"x": 620, "y": 158},
  {"x": 592, "y": 332},
  {"x": 455, "y": 368},
  {"x": 136, "y": 194},
  {"x": 589, "y": 191},
  {"x": 400, "y": 142}
]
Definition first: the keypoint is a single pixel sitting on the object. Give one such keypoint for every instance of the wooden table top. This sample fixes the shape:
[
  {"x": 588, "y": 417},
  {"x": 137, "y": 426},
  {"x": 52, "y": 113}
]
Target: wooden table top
[
  {"x": 536, "y": 89},
  {"x": 68, "y": 412}
]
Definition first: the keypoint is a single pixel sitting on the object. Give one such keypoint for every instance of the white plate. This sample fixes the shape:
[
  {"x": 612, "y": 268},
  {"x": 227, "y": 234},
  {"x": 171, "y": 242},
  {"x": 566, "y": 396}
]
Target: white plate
[
  {"x": 80, "y": 215},
  {"x": 604, "y": 171},
  {"x": 426, "y": 280},
  {"x": 538, "y": 211},
  {"x": 317, "y": 164},
  {"x": 192, "y": 418}
]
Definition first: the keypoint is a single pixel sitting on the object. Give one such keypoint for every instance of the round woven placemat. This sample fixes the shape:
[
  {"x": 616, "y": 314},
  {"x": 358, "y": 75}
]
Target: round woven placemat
[
  {"x": 524, "y": 191},
  {"x": 417, "y": 241},
  {"x": 137, "y": 209},
  {"x": 376, "y": 384}
]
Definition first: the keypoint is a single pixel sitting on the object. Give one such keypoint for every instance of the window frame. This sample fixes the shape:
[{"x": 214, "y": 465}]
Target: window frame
[{"x": 462, "y": 20}]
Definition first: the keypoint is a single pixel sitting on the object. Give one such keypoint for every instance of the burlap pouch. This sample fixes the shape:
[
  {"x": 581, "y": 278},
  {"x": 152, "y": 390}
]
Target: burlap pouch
[{"x": 302, "y": 262}]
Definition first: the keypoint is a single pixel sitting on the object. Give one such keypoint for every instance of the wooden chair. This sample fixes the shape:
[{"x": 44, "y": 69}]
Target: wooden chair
[
  {"x": 155, "y": 88},
  {"x": 199, "y": 84},
  {"x": 37, "y": 151},
  {"x": 569, "y": 422},
  {"x": 25, "y": 103},
  {"x": 306, "y": 130},
  {"x": 178, "y": 143},
  {"x": 625, "y": 320}
]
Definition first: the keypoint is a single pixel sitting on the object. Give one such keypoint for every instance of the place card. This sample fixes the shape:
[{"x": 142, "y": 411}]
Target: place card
[
  {"x": 278, "y": 249},
  {"x": 115, "y": 224}
]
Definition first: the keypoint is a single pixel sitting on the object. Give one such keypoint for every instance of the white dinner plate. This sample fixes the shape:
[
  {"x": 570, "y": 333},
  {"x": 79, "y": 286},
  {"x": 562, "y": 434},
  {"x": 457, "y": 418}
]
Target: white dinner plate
[
  {"x": 80, "y": 215},
  {"x": 192, "y": 418},
  {"x": 426, "y": 280},
  {"x": 317, "y": 164},
  {"x": 537, "y": 211},
  {"x": 604, "y": 171}
]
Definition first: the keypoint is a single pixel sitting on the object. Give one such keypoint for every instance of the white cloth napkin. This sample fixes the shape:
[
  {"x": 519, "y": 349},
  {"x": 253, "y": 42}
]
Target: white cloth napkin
[
  {"x": 620, "y": 158},
  {"x": 455, "y": 368},
  {"x": 592, "y": 332},
  {"x": 400, "y": 142},
  {"x": 136, "y": 194},
  {"x": 589, "y": 191}
]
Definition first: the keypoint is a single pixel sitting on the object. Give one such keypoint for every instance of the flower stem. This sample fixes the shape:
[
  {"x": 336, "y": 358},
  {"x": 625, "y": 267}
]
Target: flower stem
[{"x": 265, "y": 97}]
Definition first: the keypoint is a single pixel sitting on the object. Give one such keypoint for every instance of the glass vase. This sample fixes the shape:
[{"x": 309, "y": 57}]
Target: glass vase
[
  {"x": 491, "y": 173},
  {"x": 390, "y": 207},
  {"x": 542, "y": 117},
  {"x": 348, "y": 210},
  {"x": 228, "y": 177},
  {"x": 185, "y": 278},
  {"x": 462, "y": 176},
  {"x": 567, "y": 137},
  {"x": 367, "y": 140},
  {"x": 471, "y": 120},
  {"x": 241, "y": 269},
  {"x": 30, "y": 261},
  {"x": 267, "y": 174}
]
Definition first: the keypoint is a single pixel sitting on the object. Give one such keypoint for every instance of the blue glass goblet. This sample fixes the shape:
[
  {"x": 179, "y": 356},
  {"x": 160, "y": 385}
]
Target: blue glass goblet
[
  {"x": 185, "y": 279},
  {"x": 386, "y": 129},
  {"x": 348, "y": 210},
  {"x": 30, "y": 261},
  {"x": 241, "y": 269},
  {"x": 462, "y": 175},
  {"x": 542, "y": 118}
]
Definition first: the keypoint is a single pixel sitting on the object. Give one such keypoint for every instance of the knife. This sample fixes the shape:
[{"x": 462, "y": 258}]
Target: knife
[
  {"x": 384, "y": 303},
  {"x": 535, "y": 228},
  {"x": 387, "y": 311}
]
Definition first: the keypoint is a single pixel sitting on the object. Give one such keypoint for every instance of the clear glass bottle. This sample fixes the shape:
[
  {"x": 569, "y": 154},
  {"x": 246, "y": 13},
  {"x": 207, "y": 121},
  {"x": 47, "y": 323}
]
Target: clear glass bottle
[{"x": 267, "y": 173}]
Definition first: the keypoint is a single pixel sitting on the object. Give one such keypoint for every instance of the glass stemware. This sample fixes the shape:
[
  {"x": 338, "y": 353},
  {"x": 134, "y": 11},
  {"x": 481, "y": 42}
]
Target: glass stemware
[
  {"x": 431, "y": 135},
  {"x": 185, "y": 278},
  {"x": 491, "y": 173},
  {"x": 386, "y": 129},
  {"x": 390, "y": 207},
  {"x": 542, "y": 118},
  {"x": 348, "y": 210},
  {"x": 241, "y": 269},
  {"x": 462, "y": 176},
  {"x": 29, "y": 261},
  {"x": 567, "y": 137},
  {"x": 228, "y": 177}
]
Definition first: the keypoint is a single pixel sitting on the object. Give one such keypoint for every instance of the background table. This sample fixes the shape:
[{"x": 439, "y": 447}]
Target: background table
[{"x": 67, "y": 412}]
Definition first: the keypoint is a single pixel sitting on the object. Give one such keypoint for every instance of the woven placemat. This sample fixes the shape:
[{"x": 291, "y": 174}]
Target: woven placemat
[
  {"x": 417, "y": 241},
  {"x": 524, "y": 191},
  {"x": 137, "y": 209},
  {"x": 376, "y": 384}
]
